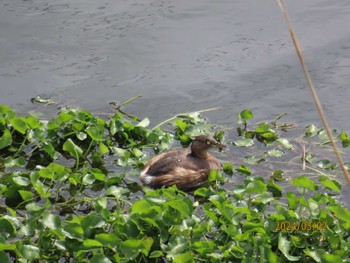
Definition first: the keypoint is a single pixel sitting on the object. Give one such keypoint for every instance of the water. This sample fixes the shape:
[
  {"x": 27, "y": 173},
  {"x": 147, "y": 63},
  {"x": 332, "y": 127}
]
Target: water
[{"x": 181, "y": 55}]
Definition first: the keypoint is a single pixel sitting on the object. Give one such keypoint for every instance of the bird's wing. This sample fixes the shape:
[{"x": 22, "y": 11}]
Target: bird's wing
[
  {"x": 164, "y": 163},
  {"x": 171, "y": 162}
]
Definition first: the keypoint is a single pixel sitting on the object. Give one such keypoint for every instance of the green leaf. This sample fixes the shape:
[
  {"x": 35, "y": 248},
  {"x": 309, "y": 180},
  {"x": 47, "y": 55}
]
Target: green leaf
[
  {"x": 326, "y": 164},
  {"x": 137, "y": 153},
  {"x": 50, "y": 149},
  {"x": 244, "y": 142},
  {"x": 330, "y": 184},
  {"x": 21, "y": 181},
  {"x": 156, "y": 254},
  {"x": 204, "y": 247},
  {"x": 345, "y": 140},
  {"x": 263, "y": 127},
  {"x": 228, "y": 168},
  {"x": 303, "y": 181},
  {"x": 284, "y": 246},
  {"x": 6, "y": 139},
  {"x": 98, "y": 174},
  {"x": 215, "y": 175},
  {"x": 311, "y": 130},
  {"x": 257, "y": 187},
  {"x": 19, "y": 125},
  {"x": 275, "y": 153},
  {"x": 278, "y": 175},
  {"x": 203, "y": 191},
  {"x": 4, "y": 257},
  {"x": 293, "y": 201},
  {"x": 7, "y": 229},
  {"x": 26, "y": 195},
  {"x": 103, "y": 148},
  {"x": 117, "y": 191},
  {"x": 91, "y": 243},
  {"x": 73, "y": 149},
  {"x": 310, "y": 158},
  {"x": 88, "y": 179},
  {"x": 181, "y": 206},
  {"x": 34, "y": 123},
  {"x": 330, "y": 258},
  {"x": 244, "y": 115},
  {"x": 6, "y": 246},
  {"x": 19, "y": 162},
  {"x": 64, "y": 117},
  {"x": 33, "y": 208},
  {"x": 244, "y": 170},
  {"x": 95, "y": 133},
  {"x": 144, "y": 123},
  {"x": 141, "y": 206},
  {"x": 108, "y": 239},
  {"x": 29, "y": 251},
  {"x": 313, "y": 207},
  {"x": 51, "y": 221},
  {"x": 29, "y": 228},
  {"x": 340, "y": 212},
  {"x": 275, "y": 189},
  {"x": 314, "y": 254},
  {"x": 99, "y": 258},
  {"x": 91, "y": 222},
  {"x": 7, "y": 112},
  {"x": 285, "y": 143},
  {"x": 270, "y": 256},
  {"x": 131, "y": 248},
  {"x": 251, "y": 159},
  {"x": 219, "y": 136},
  {"x": 74, "y": 231},
  {"x": 102, "y": 202},
  {"x": 113, "y": 127},
  {"x": 184, "y": 258},
  {"x": 81, "y": 136},
  {"x": 54, "y": 171},
  {"x": 176, "y": 246}
]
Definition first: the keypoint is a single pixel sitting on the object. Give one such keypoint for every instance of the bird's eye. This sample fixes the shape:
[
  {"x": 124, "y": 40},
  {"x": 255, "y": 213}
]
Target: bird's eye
[{"x": 208, "y": 142}]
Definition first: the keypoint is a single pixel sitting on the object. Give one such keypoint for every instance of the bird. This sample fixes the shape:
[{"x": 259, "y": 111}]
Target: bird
[{"x": 187, "y": 168}]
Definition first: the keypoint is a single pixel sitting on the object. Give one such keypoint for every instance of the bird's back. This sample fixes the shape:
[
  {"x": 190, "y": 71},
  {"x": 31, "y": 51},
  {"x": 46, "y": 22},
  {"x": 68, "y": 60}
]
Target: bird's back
[{"x": 178, "y": 167}]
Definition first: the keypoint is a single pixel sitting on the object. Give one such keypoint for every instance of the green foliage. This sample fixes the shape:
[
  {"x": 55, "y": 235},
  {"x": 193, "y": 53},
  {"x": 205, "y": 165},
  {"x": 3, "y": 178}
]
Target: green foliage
[{"x": 69, "y": 193}]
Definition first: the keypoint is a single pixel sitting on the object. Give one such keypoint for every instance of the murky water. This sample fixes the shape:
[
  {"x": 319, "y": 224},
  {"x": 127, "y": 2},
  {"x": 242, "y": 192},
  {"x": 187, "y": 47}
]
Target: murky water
[{"x": 181, "y": 55}]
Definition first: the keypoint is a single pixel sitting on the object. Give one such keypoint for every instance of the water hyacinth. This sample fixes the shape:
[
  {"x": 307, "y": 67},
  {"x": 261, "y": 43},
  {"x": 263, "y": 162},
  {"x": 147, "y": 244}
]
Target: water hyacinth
[{"x": 69, "y": 191}]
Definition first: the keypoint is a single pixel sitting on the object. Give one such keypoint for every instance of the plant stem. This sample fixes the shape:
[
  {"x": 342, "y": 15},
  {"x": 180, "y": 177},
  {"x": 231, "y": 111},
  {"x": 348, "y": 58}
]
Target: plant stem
[{"x": 312, "y": 89}]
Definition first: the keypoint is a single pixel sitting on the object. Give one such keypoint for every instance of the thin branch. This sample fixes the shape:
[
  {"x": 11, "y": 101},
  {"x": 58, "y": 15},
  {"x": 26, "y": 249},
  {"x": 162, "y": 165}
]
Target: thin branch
[
  {"x": 117, "y": 106},
  {"x": 312, "y": 88}
]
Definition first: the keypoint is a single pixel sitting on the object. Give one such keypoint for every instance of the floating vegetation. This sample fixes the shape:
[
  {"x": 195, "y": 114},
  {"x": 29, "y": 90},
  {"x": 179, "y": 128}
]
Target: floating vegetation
[
  {"x": 69, "y": 192},
  {"x": 45, "y": 101}
]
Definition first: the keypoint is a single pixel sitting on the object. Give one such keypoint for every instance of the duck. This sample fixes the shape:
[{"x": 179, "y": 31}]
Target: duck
[{"x": 187, "y": 168}]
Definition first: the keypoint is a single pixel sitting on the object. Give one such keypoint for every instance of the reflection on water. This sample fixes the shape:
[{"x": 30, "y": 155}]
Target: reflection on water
[{"x": 182, "y": 55}]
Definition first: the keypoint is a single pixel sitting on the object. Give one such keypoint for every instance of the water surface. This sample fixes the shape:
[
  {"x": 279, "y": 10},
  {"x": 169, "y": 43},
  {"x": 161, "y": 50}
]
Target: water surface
[{"x": 181, "y": 55}]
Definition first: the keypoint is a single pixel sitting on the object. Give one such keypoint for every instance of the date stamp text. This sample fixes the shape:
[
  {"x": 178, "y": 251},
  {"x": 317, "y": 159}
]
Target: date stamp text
[{"x": 300, "y": 226}]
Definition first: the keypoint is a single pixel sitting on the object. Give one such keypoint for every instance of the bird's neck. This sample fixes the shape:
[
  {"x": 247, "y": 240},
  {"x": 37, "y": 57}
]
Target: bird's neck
[{"x": 198, "y": 152}]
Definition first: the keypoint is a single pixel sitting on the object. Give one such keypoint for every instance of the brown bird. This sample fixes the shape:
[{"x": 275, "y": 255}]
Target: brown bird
[{"x": 187, "y": 168}]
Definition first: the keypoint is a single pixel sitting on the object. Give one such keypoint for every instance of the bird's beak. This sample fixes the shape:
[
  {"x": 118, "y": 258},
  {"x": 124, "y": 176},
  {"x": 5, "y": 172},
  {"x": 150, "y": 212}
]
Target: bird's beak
[{"x": 219, "y": 145}]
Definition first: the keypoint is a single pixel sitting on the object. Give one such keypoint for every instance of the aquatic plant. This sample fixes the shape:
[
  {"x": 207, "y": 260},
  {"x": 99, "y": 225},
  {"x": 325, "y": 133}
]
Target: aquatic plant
[{"x": 69, "y": 192}]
